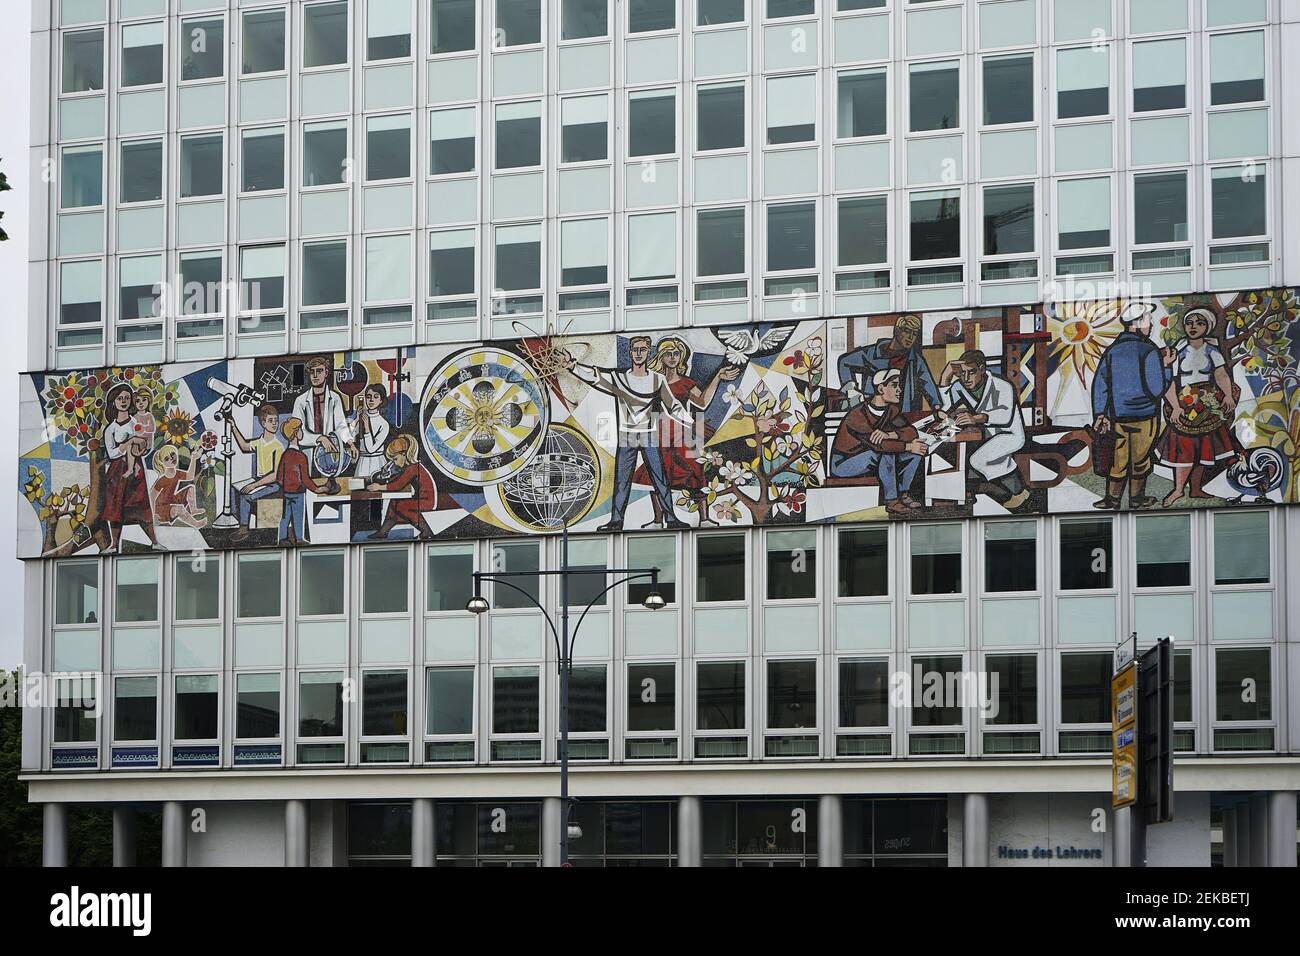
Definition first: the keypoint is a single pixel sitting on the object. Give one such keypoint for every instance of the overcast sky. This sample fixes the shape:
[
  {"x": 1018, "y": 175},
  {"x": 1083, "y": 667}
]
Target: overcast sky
[{"x": 15, "y": 127}]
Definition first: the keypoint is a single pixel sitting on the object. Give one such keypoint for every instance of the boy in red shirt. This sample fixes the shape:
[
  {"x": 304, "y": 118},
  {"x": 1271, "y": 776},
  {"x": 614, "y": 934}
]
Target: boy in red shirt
[
  {"x": 402, "y": 452},
  {"x": 291, "y": 475}
]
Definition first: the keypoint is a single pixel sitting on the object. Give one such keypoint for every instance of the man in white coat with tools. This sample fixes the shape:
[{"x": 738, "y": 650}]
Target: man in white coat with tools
[{"x": 974, "y": 398}]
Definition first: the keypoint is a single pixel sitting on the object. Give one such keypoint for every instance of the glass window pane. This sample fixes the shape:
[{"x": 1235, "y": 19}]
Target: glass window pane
[
  {"x": 388, "y": 30},
  {"x": 791, "y": 237},
  {"x": 1159, "y": 75},
  {"x": 384, "y": 583},
  {"x": 388, "y": 147},
  {"x": 452, "y": 26},
  {"x": 791, "y": 109},
  {"x": 791, "y": 694},
  {"x": 325, "y": 34},
  {"x": 1009, "y": 219},
  {"x": 142, "y": 54},
  {"x": 864, "y": 693},
  {"x": 449, "y": 693},
  {"x": 514, "y": 557},
  {"x": 1243, "y": 686},
  {"x": 653, "y": 551},
  {"x": 518, "y": 257},
  {"x": 720, "y": 568},
  {"x": 321, "y": 584},
  {"x": 135, "y": 708},
  {"x": 198, "y": 588},
  {"x": 1086, "y": 553},
  {"x": 449, "y": 583},
  {"x": 83, "y": 177},
  {"x": 76, "y": 711},
  {"x": 383, "y": 704},
  {"x": 1010, "y": 556},
  {"x": 263, "y": 46},
  {"x": 140, "y": 289},
  {"x": 936, "y": 225},
  {"x": 262, "y": 166},
  {"x": 324, "y": 273},
  {"x": 720, "y": 117},
  {"x": 76, "y": 592},
  {"x": 1085, "y": 688},
  {"x": 202, "y": 166},
  {"x": 863, "y": 231},
  {"x": 1183, "y": 686},
  {"x": 720, "y": 242},
  {"x": 203, "y": 49},
  {"x": 83, "y": 61},
  {"x": 1083, "y": 82},
  {"x": 320, "y": 704},
  {"x": 257, "y": 706},
  {"x": 515, "y": 700},
  {"x": 790, "y": 8},
  {"x": 584, "y": 252},
  {"x": 518, "y": 22},
  {"x": 1164, "y": 551},
  {"x": 1160, "y": 207},
  {"x": 196, "y": 707},
  {"x": 451, "y": 263},
  {"x": 587, "y": 706},
  {"x": 934, "y": 96},
  {"x": 261, "y": 275},
  {"x": 710, "y": 13},
  {"x": 259, "y": 585},
  {"x": 936, "y": 559},
  {"x": 1241, "y": 548},
  {"x": 584, "y": 122},
  {"x": 324, "y": 153},
  {"x": 452, "y": 141},
  {"x": 651, "y": 697},
  {"x": 137, "y": 590},
  {"x": 580, "y": 19},
  {"x": 201, "y": 283},
  {"x": 1015, "y": 694},
  {"x": 1238, "y": 202},
  {"x": 791, "y": 565},
  {"x": 864, "y": 562},
  {"x": 720, "y": 695},
  {"x": 862, "y": 104},
  {"x": 388, "y": 268},
  {"x": 518, "y": 135},
  {"x": 81, "y": 292},
  {"x": 1008, "y": 89},
  {"x": 652, "y": 123},
  {"x": 645, "y": 16},
  {"x": 590, "y": 554},
  {"x": 652, "y": 246},
  {"x": 1236, "y": 68},
  {"x": 142, "y": 171},
  {"x": 1083, "y": 213}
]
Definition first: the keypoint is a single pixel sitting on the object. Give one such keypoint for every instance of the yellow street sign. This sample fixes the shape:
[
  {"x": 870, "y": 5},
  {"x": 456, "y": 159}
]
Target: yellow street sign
[{"x": 1123, "y": 703}]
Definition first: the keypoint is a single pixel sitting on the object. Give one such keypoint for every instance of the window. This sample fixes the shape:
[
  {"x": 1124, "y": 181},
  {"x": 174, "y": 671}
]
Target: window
[
  {"x": 203, "y": 49},
  {"x": 1241, "y": 548},
  {"x": 197, "y": 589},
  {"x": 584, "y": 260},
  {"x": 518, "y": 22},
  {"x": 791, "y": 694},
  {"x": 651, "y": 697},
  {"x": 584, "y": 19},
  {"x": 1009, "y": 219},
  {"x": 1008, "y": 89},
  {"x": 388, "y": 30},
  {"x": 261, "y": 288},
  {"x": 81, "y": 292},
  {"x": 514, "y": 557},
  {"x": 196, "y": 707},
  {"x": 388, "y": 279},
  {"x": 587, "y": 704},
  {"x": 791, "y": 243},
  {"x": 720, "y": 695},
  {"x": 137, "y": 590},
  {"x": 83, "y": 61},
  {"x": 451, "y": 271},
  {"x": 1085, "y": 688},
  {"x": 652, "y": 551},
  {"x": 449, "y": 692},
  {"x": 259, "y": 585},
  {"x": 452, "y": 147},
  {"x": 791, "y": 565},
  {"x": 452, "y": 26},
  {"x": 324, "y": 34},
  {"x": 1083, "y": 82},
  {"x": 864, "y": 693},
  {"x": 1016, "y": 688},
  {"x": 83, "y": 177},
  {"x": 321, "y": 583},
  {"x": 325, "y": 273},
  {"x": 203, "y": 288},
  {"x": 516, "y": 700},
  {"x": 1238, "y": 203},
  {"x": 518, "y": 135},
  {"x": 135, "y": 709},
  {"x": 720, "y": 117},
  {"x": 862, "y": 104},
  {"x": 1086, "y": 553},
  {"x": 647, "y": 16},
  {"x": 257, "y": 706},
  {"x": 935, "y": 234},
  {"x": 720, "y": 249},
  {"x": 791, "y": 109},
  {"x": 652, "y": 257},
  {"x": 142, "y": 54},
  {"x": 139, "y": 290},
  {"x": 584, "y": 128},
  {"x": 1164, "y": 551},
  {"x": 324, "y": 153},
  {"x": 449, "y": 581},
  {"x": 1235, "y": 672},
  {"x": 711, "y": 13},
  {"x": 76, "y": 592},
  {"x": 936, "y": 559},
  {"x": 1083, "y": 213},
  {"x": 790, "y": 8},
  {"x": 863, "y": 562},
  {"x": 519, "y": 265},
  {"x": 263, "y": 44},
  {"x": 863, "y": 233},
  {"x": 384, "y": 584},
  {"x": 934, "y": 96},
  {"x": 388, "y": 147},
  {"x": 383, "y": 704},
  {"x": 1236, "y": 68},
  {"x": 1010, "y": 556},
  {"x": 262, "y": 167},
  {"x": 1160, "y": 216},
  {"x": 651, "y": 123},
  {"x": 1159, "y": 75},
  {"x": 320, "y": 704},
  {"x": 720, "y": 568},
  {"x": 202, "y": 166},
  {"x": 142, "y": 171},
  {"x": 75, "y": 715}
]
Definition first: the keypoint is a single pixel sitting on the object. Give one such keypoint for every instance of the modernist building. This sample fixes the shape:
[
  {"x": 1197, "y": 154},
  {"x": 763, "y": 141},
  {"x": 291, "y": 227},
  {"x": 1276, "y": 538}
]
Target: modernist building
[{"x": 960, "y": 337}]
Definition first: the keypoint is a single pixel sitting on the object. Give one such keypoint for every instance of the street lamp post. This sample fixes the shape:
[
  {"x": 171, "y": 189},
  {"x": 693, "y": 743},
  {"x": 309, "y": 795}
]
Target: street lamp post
[{"x": 564, "y": 641}]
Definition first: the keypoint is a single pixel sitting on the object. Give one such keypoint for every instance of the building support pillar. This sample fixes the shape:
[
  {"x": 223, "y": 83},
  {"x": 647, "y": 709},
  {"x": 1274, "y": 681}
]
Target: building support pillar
[
  {"x": 422, "y": 848},
  {"x": 975, "y": 830},
  {"x": 54, "y": 835},
  {"x": 173, "y": 834},
  {"x": 124, "y": 836},
  {"x": 1281, "y": 828},
  {"x": 690, "y": 832},
  {"x": 830, "y": 830},
  {"x": 1259, "y": 830},
  {"x": 1229, "y": 836},
  {"x": 1243, "y": 834},
  {"x": 297, "y": 833},
  {"x": 552, "y": 820}
]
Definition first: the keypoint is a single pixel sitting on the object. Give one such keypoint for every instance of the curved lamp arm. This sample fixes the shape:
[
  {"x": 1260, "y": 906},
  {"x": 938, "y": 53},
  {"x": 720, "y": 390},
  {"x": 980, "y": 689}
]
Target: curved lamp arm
[
  {"x": 545, "y": 617},
  {"x": 573, "y": 635}
]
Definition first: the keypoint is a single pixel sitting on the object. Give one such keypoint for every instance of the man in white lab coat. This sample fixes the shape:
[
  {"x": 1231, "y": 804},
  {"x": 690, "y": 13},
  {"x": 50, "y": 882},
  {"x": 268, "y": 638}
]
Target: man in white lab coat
[
  {"x": 321, "y": 411},
  {"x": 973, "y": 398}
]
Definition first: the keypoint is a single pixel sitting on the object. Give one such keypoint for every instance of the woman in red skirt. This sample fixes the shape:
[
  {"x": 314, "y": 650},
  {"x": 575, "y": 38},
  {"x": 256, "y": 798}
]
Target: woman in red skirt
[
  {"x": 1201, "y": 400},
  {"x": 126, "y": 491}
]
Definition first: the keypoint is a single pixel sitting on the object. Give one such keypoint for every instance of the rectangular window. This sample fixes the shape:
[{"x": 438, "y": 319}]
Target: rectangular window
[
  {"x": 449, "y": 695},
  {"x": 324, "y": 153},
  {"x": 720, "y": 695},
  {"x": 81, "y": 292},
  {"x": 137, "y": 590},
  {"x": 720, "y": 568},
  {"x": 1238, "y": 203},
  {"x": 1086, "y": 554},
  {"x": 203, "y": 49},
  {"x": 83, "y": 61},
  {"x": 791, "y": 694},
  {"x": 142, "y": 54},
  {"x": 1237, "y": 68},
  {"x": 1016, "y": 689},
  {"x": 139, "y": 288},
  {"x": 324, "y": 34},
  {"x": 584, "y": 128},
  {"x": 864, "y": 562},
  {"x": 934, "y": 96},
  {"x": 1010, "y": 556},
  {"x": 712, "y": 13},
  {"x": 76, "y": 592},
  {"x": 320, "y": 704},
  {"x": 651, "y": 697},
  {"x": 935, "y": 225},
  {"x": 1009, "y": 219},
  {"x": 1083, "y": 82},
  {"x": 1159, "y": 75},
  {"x": 720, "y": 120},
  {"x": 449, "y": 580},
  {"x": 862, "y": 103},
  {"x": 142, "y": 171},
  {"x": 257, "y": 706},
  {"x": 516, "y": 700},
  {"x": 791, "y": 565},
  {"x": 261, "y": 280},
  {"x": 197, "y": 716},
  {"x": 383, "y": 704},
  {"x": 1085, "y": 688},
  {"x": 384, "y": 580},
  {"x": 1238, "y": 668},
  {"x": 321, "y": 583},
  {"x": 1183, "y": 686},
  {"x": 791, "y": 109},
  {"x": 1083, "y": 213},
  {"x": 936, "y": 559},
  {"x": 720, "y": 242},
  {"x": 1008, "y": 89},
  {"x": 197, "y": 589},
  {"x": 519, "y": 257},
  {"x": 518, "y": 22},
  {"x": 263, "y": 44},
  {"x": 258, "y": 586},
  {"x": 75, "y": 720},
  {"x": 1164, "y": 551},
  {"x": 790, "y": 8},
  {"x": 83, "y": 177},
  {"x": 201, "y": 284},
  {"x": 647, "y": 16},
  {"x": 202, "y": 166},
  {"x": 262, "y": 165},
  {"x": 1160, "y": 208},
  {"x": 652, "y": 256},
  {"x": 1241, "y": 548},
  {"x": 791, "y": 237},
  {"x": 651, "y": 123},
  {"x": 388, "y": 147},
  {"x": 584, "y": 19},
  {"x": 388, "y": 277},
  {"x": 518, "y": 135},
  {"x": 864, "y": 693},
  {"x": 653, "y": 551},
  {"x": 325, "y": 273},
  {"x": 584, "y": 252},
  {"x": 135, "y": 709},
  {"x": 451, "y": 263},
  {"x": 863, "y": 231},
  {"x": 516, "y": 557},
  {"x": 388, "y": 30},
  {"x": 453, "y": 28},
  {"x": 589, "y": 554},
  {"x": 587, "y": 703}
]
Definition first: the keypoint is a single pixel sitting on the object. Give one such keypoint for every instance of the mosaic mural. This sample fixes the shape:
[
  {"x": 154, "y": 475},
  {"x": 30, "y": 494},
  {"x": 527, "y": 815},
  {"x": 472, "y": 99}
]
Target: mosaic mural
[{"x": 1169, "y": 403}]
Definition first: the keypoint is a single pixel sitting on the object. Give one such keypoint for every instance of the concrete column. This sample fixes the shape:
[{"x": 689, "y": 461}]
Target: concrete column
[
  {"x": 1229, "y": 836},
  {"x": 1281, "y": 828},
  {"x": 173, "y": 834},
  {"x": 1259, "y": 830},
  {"x": 422, "y": 848},
  {"x": 54, "y": 835},
  {"x": 690, "y": 831},
  {"x": 1243, "y": 835},
  {"x": 1122, "y": 837},
  {"x": 297, "y": 833},
  {"x": 975, "y": 830},
  {"x": 124, "y": 836},
  {"x": 830, "y": 830},
  {"x": 552, "y": 820}
]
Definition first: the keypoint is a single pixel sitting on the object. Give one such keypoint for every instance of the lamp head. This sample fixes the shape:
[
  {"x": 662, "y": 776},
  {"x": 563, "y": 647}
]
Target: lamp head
[
  {"x": 653, "y": 601},
  {"x": 478, "y": 604}
]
